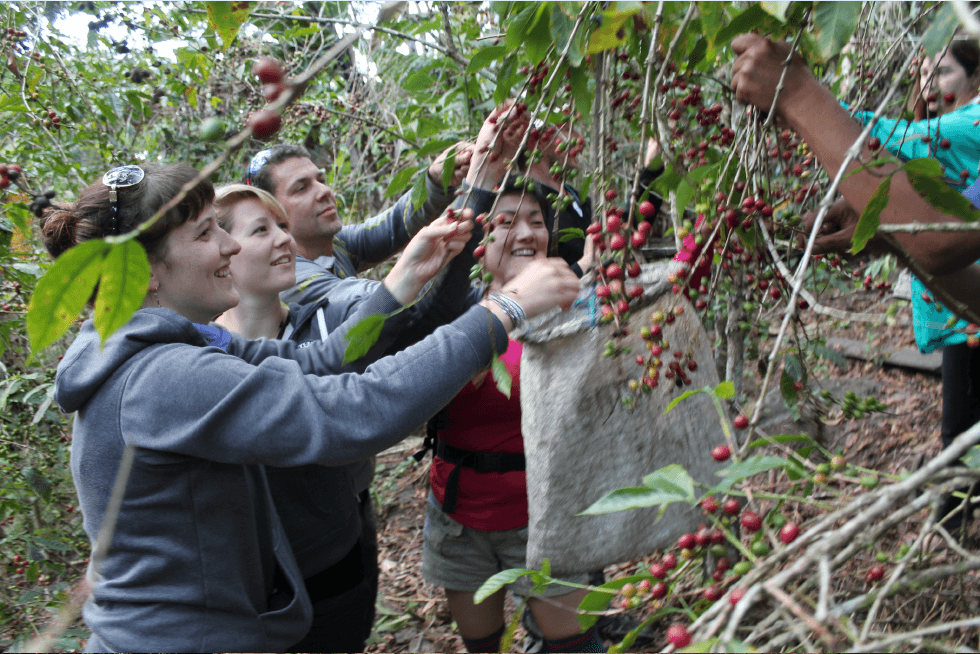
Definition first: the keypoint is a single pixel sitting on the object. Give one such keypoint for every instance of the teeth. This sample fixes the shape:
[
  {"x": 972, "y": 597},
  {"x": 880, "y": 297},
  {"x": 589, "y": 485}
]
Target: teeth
[
  {"x": 281, "y": 260},
  {"x": 523, "y": 253},
  {"x": 223, "y": 273}
]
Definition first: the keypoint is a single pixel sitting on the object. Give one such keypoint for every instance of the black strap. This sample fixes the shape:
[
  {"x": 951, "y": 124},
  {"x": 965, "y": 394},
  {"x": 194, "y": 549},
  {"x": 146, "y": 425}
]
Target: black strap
[
  {"x": 338, "y": 578},
  {"x": 479, "y": 461},
  {"x": 436, "y": 423}
]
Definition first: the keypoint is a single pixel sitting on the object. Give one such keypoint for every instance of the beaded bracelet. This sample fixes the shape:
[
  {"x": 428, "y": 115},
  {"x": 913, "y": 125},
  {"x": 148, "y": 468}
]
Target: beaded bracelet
[{"x": 511, "y": 307}]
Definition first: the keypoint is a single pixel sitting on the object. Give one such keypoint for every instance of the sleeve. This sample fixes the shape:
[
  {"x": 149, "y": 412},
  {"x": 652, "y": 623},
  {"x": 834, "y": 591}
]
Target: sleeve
[
  {"x": 327, "y": 357},
  {"x": 371, "y": 242},
  {"x": 313, "y": 283},
  {"x": 203, "y": 403},
  {"x": 906, "y": 142}
]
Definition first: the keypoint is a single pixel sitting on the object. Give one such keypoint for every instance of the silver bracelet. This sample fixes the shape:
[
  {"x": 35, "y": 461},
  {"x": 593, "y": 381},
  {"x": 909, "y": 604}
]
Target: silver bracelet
[{"x": 511, "y": 307}]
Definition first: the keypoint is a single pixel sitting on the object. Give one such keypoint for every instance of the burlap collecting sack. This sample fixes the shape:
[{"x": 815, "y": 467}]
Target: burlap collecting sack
[{"x": 581, "y": 441}]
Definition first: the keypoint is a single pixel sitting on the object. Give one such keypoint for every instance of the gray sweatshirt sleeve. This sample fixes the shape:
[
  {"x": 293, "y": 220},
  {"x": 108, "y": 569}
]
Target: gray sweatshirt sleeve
[
  {"x": 201, "y": 402},
  {"x": 377, "y": 238}
]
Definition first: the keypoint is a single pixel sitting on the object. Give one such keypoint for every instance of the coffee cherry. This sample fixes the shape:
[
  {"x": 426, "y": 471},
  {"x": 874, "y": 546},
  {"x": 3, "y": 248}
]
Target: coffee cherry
[
  {"x": 686, "y": 541},
  {"x": 874, "y": 143},
  {"x": 678, "y": 637},
  {"x": 212, "y": 129},
  {"x": 788, "y": 533},
  {"x": 713, "y": 593},
  {"x": 944, "y": 144},
  {"x": 876, "y": 573},
  {"x": 617, "y": 242},
  {"x": 613, "y": 271},
  {"x": 481, "y": 250},
  {"x": 647, "y": 209},
  {"x": 721, "y": 453},
  {"x": 658, "y": 571},
  {"x": 669, "y": 561},
  {"x": 737, "y": 594},
  {"x": 268, "y": 70},
  {"x": 611, "y": 194},
  {"x": 264, "y": 124},
  {"x": 741, "y": 422},
  {"x": 659, "y": 590},
  {"x": 731, "y": 507},
  {"x": 751, "y": 521}
]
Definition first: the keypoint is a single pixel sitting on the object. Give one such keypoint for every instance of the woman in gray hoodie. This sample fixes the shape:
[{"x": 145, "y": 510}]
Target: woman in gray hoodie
[{"x": 198, "y": 560}]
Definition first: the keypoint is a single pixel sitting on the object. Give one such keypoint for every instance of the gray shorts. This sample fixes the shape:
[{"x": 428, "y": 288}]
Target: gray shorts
[{"x": 461, "y": 558}]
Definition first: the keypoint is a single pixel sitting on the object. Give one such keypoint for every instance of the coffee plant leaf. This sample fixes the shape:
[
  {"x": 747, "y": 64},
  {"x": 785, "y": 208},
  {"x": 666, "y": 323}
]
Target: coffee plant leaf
[
  {"x": 972, "y": 457},
  {"x": 362, "y": 337},
  {"x": 941, "y": 30},
  {"x": 38, "y": 483},
  {"x": 570, "y": 234},
  {"x": 419, "y": 193},
  {"x": 713, "y": 19},
  {"x": 633, "y": 497},
  {"x": 561, "y": 30},
  {"x": 787, "y": 388},
  {"x": 780, "y": 438},
  {"x": 484, "y": 57},
  {"x": 447, "y": 170},
  {"x": 612, "y": 32},
  {"x": 501, "y": 376},
  {"x": 871, "y": 216},
  {"x": 776, "y": 8},
  {"x": 941, "y": 195},
  {"x": 62, "y": 293},
  {"x": 520, "y": 25},
  {"x": 750, "y": 19},
  {"x": 400, "y": 181},
  {"x": 498, "y": 581},
  {"x": 835, "y": 22},
  {"x": 745, "y": 469},
  {"x": 683, "y": 396},
  {"x": 226, "y": 18},
  {"x": 122, "y": 287},
  {"x": 725, "y": 390},
  {"x": 598, "y": 600}
]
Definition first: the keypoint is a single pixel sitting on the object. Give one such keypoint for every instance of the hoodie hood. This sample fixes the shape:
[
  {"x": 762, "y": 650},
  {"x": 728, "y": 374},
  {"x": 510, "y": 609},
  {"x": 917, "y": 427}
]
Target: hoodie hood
[{"x": 87, "y": 366}]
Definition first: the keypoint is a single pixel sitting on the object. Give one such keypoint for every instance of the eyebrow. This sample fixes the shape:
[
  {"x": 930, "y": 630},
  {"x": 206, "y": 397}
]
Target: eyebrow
[{"x": 203, "y": 220}]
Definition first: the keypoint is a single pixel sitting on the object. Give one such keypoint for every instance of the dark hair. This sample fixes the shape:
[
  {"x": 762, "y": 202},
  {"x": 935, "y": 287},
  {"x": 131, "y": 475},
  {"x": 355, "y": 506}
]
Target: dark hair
[
  {"x": 91, "y": 216},
  {"x": 966, "y": 51},
  {"x": 277, "y": 154}
]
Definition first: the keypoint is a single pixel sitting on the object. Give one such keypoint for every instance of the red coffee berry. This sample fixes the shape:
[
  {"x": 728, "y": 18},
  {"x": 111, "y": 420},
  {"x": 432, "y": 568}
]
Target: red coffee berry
[
  {"x": 659, "y": 590},
  {"x": 669, "y": 561},
  {"x": 737, "y": 594},
  {"x": 268, "y": 70},
  {"x": 741, "y": 422},
  {"x": 613, "y": 223},
  {"x": 686, "y": 542},
  {"x": 789, "y": 532},
  {"x": 678, "y": 637},
  {"x": 594, "y": 228},
  {"x": 647, "y": 209},
  {"x": 713, "y": 593},
  {"x": 481, "y": 250},
  {"x": 731, "y": 507},
  {"x": 622, "y": 307},
  {"x": 721, "y": 453},
  {"x": 264, "y": 123},
  {"x": 876, "y": 573},
  {"x": 751, "y": 521},
  {"x": 638, "y": 239},
  {"x": 944, "y": 144},
  {"x": 658, "y": 571},
  {"x": 613, "y": 271},
  {"x": 874, "y": 143},
  {"x": 611, "y": 194},
  {"x": 617, "y": 242}
]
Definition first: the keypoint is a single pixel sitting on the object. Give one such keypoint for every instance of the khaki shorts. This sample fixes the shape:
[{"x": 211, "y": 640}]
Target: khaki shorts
[{"x": 461, "y": 558}]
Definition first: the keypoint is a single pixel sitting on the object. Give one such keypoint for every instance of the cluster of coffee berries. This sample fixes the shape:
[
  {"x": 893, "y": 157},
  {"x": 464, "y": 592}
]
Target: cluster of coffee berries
[
  {"x": 855, "y": 407},
  {"x": 266, "y": 122},
  {"x": 9, "y": 173}
]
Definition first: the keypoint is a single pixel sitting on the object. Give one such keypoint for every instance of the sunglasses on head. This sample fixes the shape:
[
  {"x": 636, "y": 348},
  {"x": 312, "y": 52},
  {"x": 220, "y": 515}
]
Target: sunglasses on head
[
  {"x": 260, "y": 159},
  {"x": 118, "y": 178}
]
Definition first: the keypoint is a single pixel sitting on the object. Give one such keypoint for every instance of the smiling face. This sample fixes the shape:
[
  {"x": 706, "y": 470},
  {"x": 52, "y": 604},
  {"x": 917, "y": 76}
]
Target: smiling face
[
  {"x": 520, "y": 235},
  {"x": 310, "y": 205},
  {"x": 194, "y": 277},
  {"x": 267, "y": 263},
  {"x": 949, "y": 78}
]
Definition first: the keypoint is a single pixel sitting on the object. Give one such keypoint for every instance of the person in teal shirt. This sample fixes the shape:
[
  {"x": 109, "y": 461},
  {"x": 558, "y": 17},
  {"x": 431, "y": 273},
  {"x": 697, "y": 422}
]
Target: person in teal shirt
[{"x": 948, "y": 93}]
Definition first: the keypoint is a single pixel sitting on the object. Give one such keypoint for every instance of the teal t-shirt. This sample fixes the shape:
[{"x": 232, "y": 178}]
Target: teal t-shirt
[{"x": 934, "y": 325}]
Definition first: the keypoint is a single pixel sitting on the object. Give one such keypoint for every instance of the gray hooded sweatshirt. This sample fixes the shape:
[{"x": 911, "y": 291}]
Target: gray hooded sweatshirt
[{"x": 198, "y": 546}]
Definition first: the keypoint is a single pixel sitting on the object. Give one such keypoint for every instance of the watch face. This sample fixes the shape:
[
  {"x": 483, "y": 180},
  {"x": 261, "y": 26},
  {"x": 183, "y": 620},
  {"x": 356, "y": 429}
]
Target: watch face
[{"x": 123, "y": 176}]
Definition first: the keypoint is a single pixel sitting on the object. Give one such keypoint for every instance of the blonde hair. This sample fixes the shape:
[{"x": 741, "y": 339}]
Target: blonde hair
[{"x": 226, "y": 197}]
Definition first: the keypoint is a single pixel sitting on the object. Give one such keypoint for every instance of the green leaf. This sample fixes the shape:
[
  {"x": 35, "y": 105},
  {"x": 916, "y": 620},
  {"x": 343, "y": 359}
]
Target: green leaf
[
  {"x": 781, "y": 438},
  {"x": 362, "y": 337},
  {"x": 62, "y": 293},
  {"x": 712, "y": 18},
  {"x": 520, "y": 25},
  {"x": 418, "y": 81},
  {"x": 611, "y": 33},
  {"x": 725, "y": 390},
  {"x": 434, "y": 145},
  {"x": 484, "y": 57},
  {"x": 227, "y": 17},
  {"x": 38, "y": 483},
  {"x": 125, "y": 278},
  {"x": 744, "y": 469},
  {"x": 598, "y": 600},
  {"x": 539, "y": 40},
  {"x": 683, "y": 396},
  {"x": 400, "y": 181},
  {"x": 835, "y": 22},
  {"x": 940, "y": 195},
  {"x": 697, "y": 54},
  {"x": 581, "y": 91},
  {"x": 33, "y": 572},
  {"x": 501, "y": 376},
  {"x": 972, "y": 457},
  {"x": 636, "y": 497},
  {"x": 776, "y": 8},
  {"x": 561, "y": 29},
  {"x": 447, "y": 170},
  {"x": 871, "y": 216},
  {"x": 830, "y": 354},
  {"x": 419, "y": 192},
  {"x": 498, "y": 581},
  {"x": 672, "y": 478},
  {"x": 941, "y": 30},
  {"x": 746, "y": 21},
  {"x": 787, "y": 387},
  {"x": 570, "y": 234}
]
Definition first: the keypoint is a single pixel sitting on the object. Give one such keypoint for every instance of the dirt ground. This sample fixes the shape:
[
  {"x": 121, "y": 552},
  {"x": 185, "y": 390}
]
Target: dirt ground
[{"x": 412, "y": 614}]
